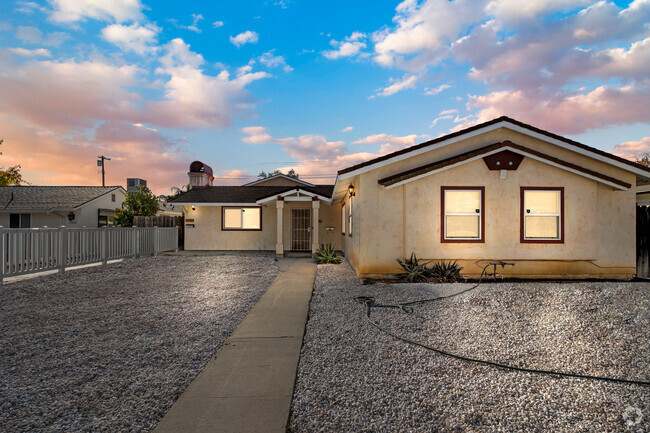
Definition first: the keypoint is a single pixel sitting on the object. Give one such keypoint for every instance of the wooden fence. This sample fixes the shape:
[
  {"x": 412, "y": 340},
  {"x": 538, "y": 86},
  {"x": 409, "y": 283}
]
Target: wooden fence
[
  {"x": 643, "y": 241},
  {"x": 27, "y": 251},
  {"x": 157, "y": 221}
]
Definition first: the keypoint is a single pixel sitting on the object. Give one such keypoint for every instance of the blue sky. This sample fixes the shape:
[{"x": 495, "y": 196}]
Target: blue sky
[{"x": 311, "y": 85}]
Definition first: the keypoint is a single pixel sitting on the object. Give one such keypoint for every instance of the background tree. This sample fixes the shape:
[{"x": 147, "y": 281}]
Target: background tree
[
  {"x": 141, "y": 202},
  {"x": 10, "y": 176},
  {"x": 291, "y": 173},
  {"x": 176, "y": 191},
  {"x": 644, "y": 159}
]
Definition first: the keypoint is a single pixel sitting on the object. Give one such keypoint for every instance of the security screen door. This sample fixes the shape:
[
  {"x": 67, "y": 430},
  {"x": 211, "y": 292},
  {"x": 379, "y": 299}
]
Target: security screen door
[{"x": 301, "y": 229}]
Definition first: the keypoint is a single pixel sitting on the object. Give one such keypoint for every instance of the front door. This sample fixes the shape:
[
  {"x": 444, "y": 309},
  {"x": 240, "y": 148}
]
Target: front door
[{"x": 301, "y": 229}]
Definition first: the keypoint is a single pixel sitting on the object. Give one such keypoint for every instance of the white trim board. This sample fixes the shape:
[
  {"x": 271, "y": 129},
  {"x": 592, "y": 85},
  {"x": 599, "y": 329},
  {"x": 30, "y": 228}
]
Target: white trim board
[
  {"x": 249, "y": 204},
  {"x": 488, "y": 128},
  {"x": 518, "y": 151},
  {"x": 297, "y": 191}
]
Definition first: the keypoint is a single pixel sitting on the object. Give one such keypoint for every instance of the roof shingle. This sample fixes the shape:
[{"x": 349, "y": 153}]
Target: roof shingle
[
  {"x": 49, "y": 197},
  {"x": 244, "y": 194}
]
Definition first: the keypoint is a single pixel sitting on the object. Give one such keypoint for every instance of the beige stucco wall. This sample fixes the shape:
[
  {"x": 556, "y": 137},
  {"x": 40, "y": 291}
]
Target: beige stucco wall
[
  {"x": 207, "y": 234},
  {"x": 599, "y": 221}
]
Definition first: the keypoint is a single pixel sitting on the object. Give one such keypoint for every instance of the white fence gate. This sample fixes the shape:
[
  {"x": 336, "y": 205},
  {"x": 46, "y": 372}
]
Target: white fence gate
[{"x": 27, "y": 251}]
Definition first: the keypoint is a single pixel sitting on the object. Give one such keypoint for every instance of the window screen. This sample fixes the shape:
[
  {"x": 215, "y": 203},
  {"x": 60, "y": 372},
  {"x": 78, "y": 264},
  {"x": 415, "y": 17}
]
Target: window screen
[
  {"x": 20, "y": 220},
  {"x": 350, "y": 216},
  {"x": 248, "y": 218},
  {"x": 462, "y": 214},
  {"x": 542, "y": 214}
]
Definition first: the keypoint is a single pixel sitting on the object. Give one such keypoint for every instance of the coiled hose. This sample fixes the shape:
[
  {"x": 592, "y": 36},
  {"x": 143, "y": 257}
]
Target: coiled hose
[{"x": 407, "y": 308}]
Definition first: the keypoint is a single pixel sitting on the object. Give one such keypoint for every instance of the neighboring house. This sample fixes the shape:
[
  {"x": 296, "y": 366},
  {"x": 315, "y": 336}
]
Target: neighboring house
[
  {"x": 56, "y": 206},
  {"x": 500, "y": 190},
  {"x": 132, "y": 183},
  {"x": 273, "y": 214}
]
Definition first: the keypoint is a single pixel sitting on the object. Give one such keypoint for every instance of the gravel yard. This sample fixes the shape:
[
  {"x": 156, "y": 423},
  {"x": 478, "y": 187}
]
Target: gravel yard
[
  {"x": 111, "y": 348},
  {"x": 353, "y": 378}
]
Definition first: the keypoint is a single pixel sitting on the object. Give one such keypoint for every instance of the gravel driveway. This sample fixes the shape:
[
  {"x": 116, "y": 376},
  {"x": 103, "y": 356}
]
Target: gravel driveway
[
  {"x": 353, "y": 378},
  {"x": 110, "y": 348}
]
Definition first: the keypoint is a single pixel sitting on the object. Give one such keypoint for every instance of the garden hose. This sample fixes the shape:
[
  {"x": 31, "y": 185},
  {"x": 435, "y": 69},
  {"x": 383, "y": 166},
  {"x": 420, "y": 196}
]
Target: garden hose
[{"x": 406, "y": 307}]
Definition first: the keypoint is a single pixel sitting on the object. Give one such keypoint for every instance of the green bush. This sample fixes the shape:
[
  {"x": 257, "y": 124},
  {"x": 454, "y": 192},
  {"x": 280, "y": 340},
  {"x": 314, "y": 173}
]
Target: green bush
[
  {"x": 327, "y": 254},
  {"x": 438, "y": 272}
]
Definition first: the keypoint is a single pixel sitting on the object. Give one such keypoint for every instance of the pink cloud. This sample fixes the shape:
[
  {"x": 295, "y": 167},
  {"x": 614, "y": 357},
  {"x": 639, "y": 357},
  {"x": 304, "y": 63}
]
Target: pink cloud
[
  {"x": 566, "y": 114},
  {"x": 48, "y": 158},
  {"x": 632, "y": 149},
  {"x": 66, "y": 95}
]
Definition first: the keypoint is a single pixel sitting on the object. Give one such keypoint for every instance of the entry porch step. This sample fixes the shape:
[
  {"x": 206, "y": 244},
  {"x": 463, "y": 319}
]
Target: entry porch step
[{"x": 296, "y": 254}]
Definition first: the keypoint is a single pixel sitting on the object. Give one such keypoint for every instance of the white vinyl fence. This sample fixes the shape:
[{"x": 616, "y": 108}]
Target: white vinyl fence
[{"x": 27, "y": 251}]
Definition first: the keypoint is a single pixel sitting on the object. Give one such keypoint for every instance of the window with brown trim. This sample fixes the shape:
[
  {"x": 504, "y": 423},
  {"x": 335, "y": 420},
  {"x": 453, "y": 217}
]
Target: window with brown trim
[
  {"x": 343, "y": 219},
  {"x": 241, "y": 218},
  {"x": 542, "y": 215},
  {"x": 462, "y": 214},
  {"x": 350, "y": 216}
]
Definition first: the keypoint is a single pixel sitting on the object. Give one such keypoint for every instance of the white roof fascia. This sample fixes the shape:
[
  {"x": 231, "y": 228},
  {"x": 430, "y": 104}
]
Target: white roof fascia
[
  {"x": 294, "y": 191},
  {"x": 579, "y": 150},
  {"x": 501, "y": 124},
  {"x": 416, "y": 152},
  {"x": 520, "y": 152},
  {"x": 119, "y": 188},
  {"x": 253, "y": 204}
]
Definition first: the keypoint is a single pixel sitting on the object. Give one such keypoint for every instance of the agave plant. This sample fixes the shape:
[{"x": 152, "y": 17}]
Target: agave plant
[
  {"x": 439, "y": 272},
  {"x": 414, "y": 272},
  {"x": 327, "y": 254},
  {"x": 448, "y": 272}
]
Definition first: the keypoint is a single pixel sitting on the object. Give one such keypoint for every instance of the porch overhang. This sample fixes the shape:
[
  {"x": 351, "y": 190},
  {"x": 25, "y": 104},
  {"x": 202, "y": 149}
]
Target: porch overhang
[{"x": 296, "y": 194}]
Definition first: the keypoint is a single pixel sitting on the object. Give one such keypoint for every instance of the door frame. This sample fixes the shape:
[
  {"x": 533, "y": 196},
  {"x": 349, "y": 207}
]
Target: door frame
[{"x": 291, "y": 228}]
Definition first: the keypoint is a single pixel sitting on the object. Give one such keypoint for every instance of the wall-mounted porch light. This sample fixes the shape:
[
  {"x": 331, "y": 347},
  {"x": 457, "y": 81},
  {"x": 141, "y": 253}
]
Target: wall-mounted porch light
[
  {"x": 193, "y": 208},
  {"x": 71, "y": 216},
  {"x": 351, "y": 190}
]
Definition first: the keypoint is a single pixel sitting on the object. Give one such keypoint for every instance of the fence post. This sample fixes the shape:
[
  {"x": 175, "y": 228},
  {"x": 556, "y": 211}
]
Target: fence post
[
  {"x": 3, "y": 255},
  {"x": 156, "y": 240},
  {"x": 135, "y": 242},
  {"x": 104, "y": 245},
  {"x": 63, "y": 250},
  {"x": 175, "y": 239}
]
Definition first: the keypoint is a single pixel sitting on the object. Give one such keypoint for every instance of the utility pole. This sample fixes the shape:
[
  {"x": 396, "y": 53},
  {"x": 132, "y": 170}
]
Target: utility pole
[{"x": 100, "y": 163}]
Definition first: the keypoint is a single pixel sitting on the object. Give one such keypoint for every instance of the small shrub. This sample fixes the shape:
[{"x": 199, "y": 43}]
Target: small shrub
[
  {"x": 414, "y": 272},
  {"x": 445, "y": 272},
  {"x": 327, "y": 254},
  {"x": 438, "y": 272}
]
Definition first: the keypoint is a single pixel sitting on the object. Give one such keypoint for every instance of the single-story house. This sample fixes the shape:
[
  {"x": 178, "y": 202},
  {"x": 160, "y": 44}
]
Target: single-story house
[
  {"x": 502, "y": 190},
  {"x": 56, "y": 206}
]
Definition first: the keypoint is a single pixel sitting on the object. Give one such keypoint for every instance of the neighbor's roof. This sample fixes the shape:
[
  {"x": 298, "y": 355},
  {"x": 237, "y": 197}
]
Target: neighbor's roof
[
  {"x": 502, "y": 119},
  {"x": 47, "y": 198},
  {"x": 245, "y": 194},
  {"x": 279, "y": 176}
]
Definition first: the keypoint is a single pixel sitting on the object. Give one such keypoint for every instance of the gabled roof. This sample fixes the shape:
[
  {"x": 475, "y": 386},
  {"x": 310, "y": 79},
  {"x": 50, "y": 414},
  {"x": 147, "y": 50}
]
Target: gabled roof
[
  {"x": 502, "y": 121},
  {"x": 279, "y": 176},
  {"x": 244, "y": 194},
  {"x": 50, "y": 198},
  {"x": 436, "y": 166}
]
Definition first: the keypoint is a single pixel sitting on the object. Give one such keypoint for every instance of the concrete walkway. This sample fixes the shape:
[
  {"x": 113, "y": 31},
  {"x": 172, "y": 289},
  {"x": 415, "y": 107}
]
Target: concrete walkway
[{"x": 248, "y": 385}]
